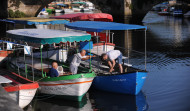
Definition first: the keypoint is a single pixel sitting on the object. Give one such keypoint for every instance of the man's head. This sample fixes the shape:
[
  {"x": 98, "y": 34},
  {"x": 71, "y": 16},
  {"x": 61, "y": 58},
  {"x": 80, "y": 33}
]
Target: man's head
[
  {"x": 83, "y": 52},
  {"x": 104, "y": 56},
  {"x": 54, "y": 65}
]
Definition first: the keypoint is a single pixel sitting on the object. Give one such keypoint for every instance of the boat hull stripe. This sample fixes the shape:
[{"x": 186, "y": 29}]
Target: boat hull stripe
[{"x": 65, "y": 83}]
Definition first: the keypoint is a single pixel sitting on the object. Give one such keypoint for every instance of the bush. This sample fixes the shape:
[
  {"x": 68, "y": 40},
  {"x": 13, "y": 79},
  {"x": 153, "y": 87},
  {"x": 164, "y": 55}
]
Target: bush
[{"x": 16, "y": 14}]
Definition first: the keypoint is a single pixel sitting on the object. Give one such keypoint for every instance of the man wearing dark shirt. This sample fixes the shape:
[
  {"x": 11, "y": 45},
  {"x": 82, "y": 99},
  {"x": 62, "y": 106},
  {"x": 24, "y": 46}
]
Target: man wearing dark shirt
[{"x": 53, "y": 71}]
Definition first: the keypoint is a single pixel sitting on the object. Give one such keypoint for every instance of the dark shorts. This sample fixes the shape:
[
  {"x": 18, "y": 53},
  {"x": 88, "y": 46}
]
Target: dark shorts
[{"x": 120, "y": 59}]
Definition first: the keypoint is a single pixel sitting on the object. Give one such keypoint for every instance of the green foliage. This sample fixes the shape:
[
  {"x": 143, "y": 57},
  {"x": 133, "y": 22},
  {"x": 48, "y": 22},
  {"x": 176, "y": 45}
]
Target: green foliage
[{"x": 16, "y": 14}]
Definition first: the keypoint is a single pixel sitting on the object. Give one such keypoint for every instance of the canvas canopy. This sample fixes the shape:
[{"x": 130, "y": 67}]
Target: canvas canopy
[
  {"x": 47, "y": 36},
  {"x": 35, "y": 21},
  {"x": 86, "y": 17},
  {"x": 95, "y": 26}
]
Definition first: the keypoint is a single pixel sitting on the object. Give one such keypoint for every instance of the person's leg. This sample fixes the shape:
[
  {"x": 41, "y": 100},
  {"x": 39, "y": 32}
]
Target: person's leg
[
  {"x": 120, "y": 63},
  {"x": 76, "y": 69},
  {"x": 121, "y": 68},
  {"x": 73, "y": 69}
]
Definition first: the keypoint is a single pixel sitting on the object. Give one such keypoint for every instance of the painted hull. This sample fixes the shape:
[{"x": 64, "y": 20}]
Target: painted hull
[
  {"x": 21, "y": 93},
  {"x": 130, "y": 83},
  {"x": 73, "y": 89},
  {"x": 3, "y": 55}
]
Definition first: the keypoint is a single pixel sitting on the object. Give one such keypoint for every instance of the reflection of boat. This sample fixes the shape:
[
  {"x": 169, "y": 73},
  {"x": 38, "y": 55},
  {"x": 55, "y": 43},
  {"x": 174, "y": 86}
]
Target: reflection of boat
[
  {"x": 19, "y": 88},
  {"x": 118, "y": 102},
  {"x": 68, "y": 86},
  {"x": 187, "y": 15},
  {"x": 62, "y": 105},
  {"x": 163, "y": 13},
  {"x": 177, "y": 13}
]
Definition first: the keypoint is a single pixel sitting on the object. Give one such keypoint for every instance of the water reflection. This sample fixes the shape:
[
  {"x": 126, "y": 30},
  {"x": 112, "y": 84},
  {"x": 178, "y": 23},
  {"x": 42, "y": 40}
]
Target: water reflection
[
  {"x": 105, "y": 101},
  {"x": 53, "y": 104}
]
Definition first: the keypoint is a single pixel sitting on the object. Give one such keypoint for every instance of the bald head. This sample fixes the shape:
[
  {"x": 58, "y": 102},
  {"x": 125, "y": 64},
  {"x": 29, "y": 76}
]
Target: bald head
[
  {"x": 54, "y": 65},
  {"x": 83, "y": 52}
]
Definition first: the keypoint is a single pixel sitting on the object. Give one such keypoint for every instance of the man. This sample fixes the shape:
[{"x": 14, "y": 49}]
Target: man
[
  {"x": 111, "y": 56},
  {"x": 77, "y": 60},
  {"x": 53, "y": 71}
]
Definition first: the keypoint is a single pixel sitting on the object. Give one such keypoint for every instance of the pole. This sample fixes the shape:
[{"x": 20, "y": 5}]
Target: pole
[
  {"x": 97, "y": 54},
  {"x": 128, "y": 45},
  {"x": 25, "y": 65},
  {"x": 32, "y": 64},
  {"x": 106, "y": 40},
  {"x": 90, "y": 64},
  {"x": 41, "y": 60},
  {"x": 145, "y": 50}
]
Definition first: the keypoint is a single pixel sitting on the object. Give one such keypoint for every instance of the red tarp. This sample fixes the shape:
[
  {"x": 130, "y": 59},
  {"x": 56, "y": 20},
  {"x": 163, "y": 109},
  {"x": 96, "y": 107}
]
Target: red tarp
[{"x": 86, "y": 17}]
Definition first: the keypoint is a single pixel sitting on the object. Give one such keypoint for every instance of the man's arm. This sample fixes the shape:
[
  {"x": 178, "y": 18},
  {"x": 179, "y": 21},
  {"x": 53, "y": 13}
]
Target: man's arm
[
  {"x": 112, "y": 65},
  {"x": 88, "y": 57}
]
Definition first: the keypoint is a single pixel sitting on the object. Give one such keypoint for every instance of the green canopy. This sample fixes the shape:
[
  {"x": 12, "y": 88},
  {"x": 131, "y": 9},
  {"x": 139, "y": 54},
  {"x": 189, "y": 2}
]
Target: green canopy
[{"x": 47, "y": 36}]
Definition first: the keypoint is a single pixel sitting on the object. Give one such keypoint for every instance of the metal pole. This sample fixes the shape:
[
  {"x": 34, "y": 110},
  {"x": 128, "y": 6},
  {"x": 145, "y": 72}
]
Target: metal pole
[
  {"x": 106, "y": 39},
  {"x": 145, "y": 50},
  {"x": 128, "y": 45},
  {"x": 41, "y": 60},
  {"x": 90, "y": 64},
  {"x": 32, "y": 64},
  {"x": 109, "y": 36},
  {"x": 98, "y": 53},
  {"x": 25, "y": 65}
]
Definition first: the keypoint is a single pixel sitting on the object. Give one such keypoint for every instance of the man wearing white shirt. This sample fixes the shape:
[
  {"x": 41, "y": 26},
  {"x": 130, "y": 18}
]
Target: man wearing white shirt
[
  {"x": 111, "y": 56},
  {"x": 77, "y": 60}
]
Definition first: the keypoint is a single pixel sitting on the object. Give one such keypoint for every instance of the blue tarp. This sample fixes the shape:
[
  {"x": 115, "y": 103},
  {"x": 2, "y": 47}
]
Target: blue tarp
[
  {"x": 28, "y": 22},
  {"x": 95, "y": 26}
]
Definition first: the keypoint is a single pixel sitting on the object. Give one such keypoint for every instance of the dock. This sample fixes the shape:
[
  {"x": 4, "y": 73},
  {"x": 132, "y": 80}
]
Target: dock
[{"x": 6, "y": 103}]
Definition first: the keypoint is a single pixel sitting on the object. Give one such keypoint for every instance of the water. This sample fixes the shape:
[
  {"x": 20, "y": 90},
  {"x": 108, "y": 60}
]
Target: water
[{"x": 167, "y": 86}]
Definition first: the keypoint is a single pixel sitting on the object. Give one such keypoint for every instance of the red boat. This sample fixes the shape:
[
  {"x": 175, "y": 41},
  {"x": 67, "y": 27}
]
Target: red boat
[{"x": 22, "y": 90}]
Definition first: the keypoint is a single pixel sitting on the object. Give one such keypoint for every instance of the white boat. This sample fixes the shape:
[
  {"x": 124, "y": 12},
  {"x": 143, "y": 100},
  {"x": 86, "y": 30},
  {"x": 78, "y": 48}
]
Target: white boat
[
  {"x": 59, "y": 11},
  {"x": 68, "y": 10},
  {"x": 67, "y": 86},
  {"x": 21, "y": 90}
]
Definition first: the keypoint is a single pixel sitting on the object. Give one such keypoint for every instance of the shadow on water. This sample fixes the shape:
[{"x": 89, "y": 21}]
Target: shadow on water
[
  {"x": 44, "y": 104},
  {"x": 106, "y": 101}
]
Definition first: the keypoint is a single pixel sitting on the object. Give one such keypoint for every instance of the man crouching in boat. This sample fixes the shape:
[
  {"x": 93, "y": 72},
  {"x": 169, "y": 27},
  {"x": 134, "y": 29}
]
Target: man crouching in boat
[
  {"x": 77, "y": 60},
  {"x": 111, "y": 56}
]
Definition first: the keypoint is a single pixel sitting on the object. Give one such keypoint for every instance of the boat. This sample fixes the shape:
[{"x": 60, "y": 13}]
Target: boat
[
  {"x": 39, "y": 22},
  {"x": 119, "y": 102},
  {"x": 68, "y": 86},
  {"x": 21, "y": 89},
  {"x": 104, "y": 37},
  {"x": 4, "y": 53},
  {"x": 129, "y": 82},
  {"x": 80, "y": 7},
  {"x": 187, "y": 15},
  {"x": 86, "y": 17},
  {"x": 164, "y": 12},
  {"x": 177, "y": 13},
  {"x": 43, "y": 12}
]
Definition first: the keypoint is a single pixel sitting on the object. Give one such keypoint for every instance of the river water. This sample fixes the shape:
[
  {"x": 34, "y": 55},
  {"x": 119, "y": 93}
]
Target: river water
[{"x": 167, "y": 86}]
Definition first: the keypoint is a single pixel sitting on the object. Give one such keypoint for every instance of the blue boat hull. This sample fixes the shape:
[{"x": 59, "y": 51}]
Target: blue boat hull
[{"x": 129, "y": 83}]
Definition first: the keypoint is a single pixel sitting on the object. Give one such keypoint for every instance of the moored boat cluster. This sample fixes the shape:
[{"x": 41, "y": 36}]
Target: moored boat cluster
[{"x": 66, "y": 63}]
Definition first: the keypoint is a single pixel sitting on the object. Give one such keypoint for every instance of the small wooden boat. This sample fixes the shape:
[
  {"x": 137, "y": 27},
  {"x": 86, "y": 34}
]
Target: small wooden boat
[
  {"x": 67, "y": 86},
  {"x": 129, "y": 82},
  {"x": 21, "y": 90}
]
